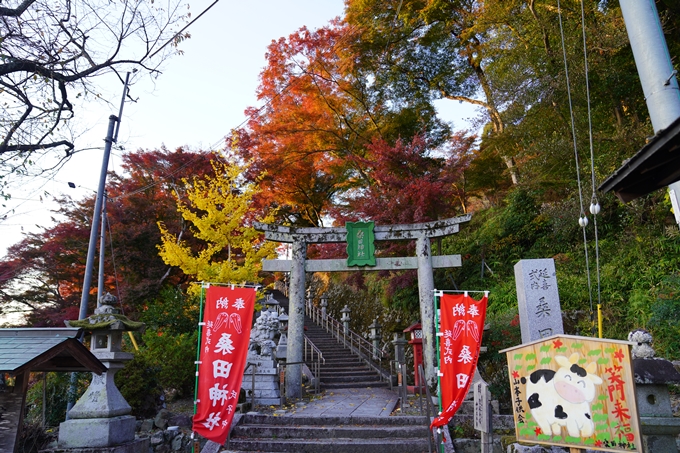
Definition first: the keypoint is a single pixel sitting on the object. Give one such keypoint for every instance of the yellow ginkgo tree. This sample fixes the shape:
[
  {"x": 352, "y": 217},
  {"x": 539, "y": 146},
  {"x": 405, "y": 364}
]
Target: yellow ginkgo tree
[{"x": 219, "y": 212}]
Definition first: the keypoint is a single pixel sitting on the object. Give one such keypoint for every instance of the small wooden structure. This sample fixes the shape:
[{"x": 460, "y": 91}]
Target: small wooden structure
[
  {"x": 575, "y": 392},
  {"x": 26, "y": 350}
]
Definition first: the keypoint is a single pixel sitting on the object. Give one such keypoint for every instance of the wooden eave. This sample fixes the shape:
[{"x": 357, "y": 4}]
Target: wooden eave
[
  {"x": 38, "y": 350},
  {"x": 655, "y": 166}
]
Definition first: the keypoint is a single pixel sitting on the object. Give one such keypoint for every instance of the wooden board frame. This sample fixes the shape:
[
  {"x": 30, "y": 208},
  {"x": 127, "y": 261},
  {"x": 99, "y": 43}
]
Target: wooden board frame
[{"x": 612, "y": 409}]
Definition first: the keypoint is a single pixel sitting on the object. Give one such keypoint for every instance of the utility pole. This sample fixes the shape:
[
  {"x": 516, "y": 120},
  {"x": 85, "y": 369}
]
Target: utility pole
[
  {"x": 102, "y": 254},
  {"x": 657, "y": 75},
  {"x": 111, "y": 137}
]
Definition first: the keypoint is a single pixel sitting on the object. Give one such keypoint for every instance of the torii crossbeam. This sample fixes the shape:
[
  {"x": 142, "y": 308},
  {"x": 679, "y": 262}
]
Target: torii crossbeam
[{"x": 424, "y": 262}]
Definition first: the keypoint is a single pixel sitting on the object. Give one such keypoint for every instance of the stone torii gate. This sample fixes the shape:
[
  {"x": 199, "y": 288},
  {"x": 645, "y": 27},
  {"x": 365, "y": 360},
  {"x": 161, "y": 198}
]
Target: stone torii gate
[{"x": 424, "y": 262}]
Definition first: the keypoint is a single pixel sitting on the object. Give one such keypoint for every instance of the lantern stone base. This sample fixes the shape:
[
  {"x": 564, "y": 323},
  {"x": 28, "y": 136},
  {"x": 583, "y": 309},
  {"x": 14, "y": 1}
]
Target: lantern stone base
[
  {"x": 97, "y": 432},
  {"x": 261, "y": 381},
  {"x": 136, "y": 446}
]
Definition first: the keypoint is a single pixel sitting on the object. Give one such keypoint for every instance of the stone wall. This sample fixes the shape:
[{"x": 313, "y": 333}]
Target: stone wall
[{"x": 167, "y": 432}]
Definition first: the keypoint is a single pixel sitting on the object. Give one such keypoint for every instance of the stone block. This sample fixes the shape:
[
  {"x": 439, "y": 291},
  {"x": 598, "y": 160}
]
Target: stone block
[
  {"x": 268, "y": 401},
  {"x": 161, "y": 420},
  {"x": 474, "y": 446},
  {"x": 136, "y": 446},
  {"x": 181, "y": 420},
  {"x": 266, "y": 385},
  {"x": 178, "y": 442},
  {"x": 157, "y": 439},
  {"x": 211, "y": 447},
  {"x": 102, "y": 399},
  {"x": 538, "y": 299},
  {"x": 146, "y": 426},
  {"x": 653, "y": 400},
  {"x": 97, "y": 432}
]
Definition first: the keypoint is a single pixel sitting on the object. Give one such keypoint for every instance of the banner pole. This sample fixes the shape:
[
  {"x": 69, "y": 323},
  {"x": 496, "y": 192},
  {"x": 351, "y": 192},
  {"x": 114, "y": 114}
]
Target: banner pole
[
  {"x": 437, "y": 295},
  {"x": 198, "y": 353}
]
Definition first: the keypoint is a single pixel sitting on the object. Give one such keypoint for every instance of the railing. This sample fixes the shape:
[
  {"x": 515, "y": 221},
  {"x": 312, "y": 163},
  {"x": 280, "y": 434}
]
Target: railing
[
  {"x": 434, "y": 438},
  {"x": 312, "y": 356},
  {"x": 315, "y": 356},
  {"x": 356, "y": 343}
]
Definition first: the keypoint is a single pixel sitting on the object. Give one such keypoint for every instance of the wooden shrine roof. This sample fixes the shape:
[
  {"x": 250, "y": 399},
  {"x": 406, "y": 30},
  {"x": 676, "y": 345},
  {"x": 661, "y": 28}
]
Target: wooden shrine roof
[
  {"x": 655, "y": 166},
  {"x": 45, "y": 349}
]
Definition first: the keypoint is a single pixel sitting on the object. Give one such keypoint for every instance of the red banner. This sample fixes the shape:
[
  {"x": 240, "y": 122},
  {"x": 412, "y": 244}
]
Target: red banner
[
  {"x": 461, "y": 326},
  {"x": 224, "y": 348}
]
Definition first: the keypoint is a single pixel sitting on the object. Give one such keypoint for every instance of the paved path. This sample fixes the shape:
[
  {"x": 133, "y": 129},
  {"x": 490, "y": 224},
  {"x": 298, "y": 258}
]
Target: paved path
[{"x": 361, "y": 402}]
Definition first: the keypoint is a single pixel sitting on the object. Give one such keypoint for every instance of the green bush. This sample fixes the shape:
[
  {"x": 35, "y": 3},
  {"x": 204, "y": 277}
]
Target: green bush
[
  {"x": 165, "y": 364},
  {"x": 504, "y": 332},
  {"x": 140, "y": 385},
  {"x": 172, "y": 312},
  {"x": 665, "y": 319},
  {"x": 174, "y": 356}
]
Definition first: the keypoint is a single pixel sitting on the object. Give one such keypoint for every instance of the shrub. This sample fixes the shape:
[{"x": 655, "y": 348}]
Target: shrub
[
  {"x": 139, "y": 384},
  {"x": 174, "y": 357}
]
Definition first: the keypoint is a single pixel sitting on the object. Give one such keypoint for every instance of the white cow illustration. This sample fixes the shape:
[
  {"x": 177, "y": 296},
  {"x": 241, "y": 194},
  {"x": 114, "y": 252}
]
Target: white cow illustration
[{"x": 562, "y": 398}]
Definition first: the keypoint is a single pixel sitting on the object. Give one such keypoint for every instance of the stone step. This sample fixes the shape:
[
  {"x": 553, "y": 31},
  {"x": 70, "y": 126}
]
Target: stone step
[
  {"x": 351, "y": 372},
  {"x": 338, "y": 445},
  {"x": 256, "y": 418},
  {"x": 347, "y": 365},
  {"x": 330, "y": 434},
  {"x": 353, "y": 385},
  {"x": 340, "y": 356},
  {"x": 328, "y": 379},
  {"x": 330, "y": 353},
  {"x": 342, "y": 368}
]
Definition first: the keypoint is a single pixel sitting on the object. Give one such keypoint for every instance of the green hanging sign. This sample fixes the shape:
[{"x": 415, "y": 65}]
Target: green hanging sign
[{"x": 360, "y": 248}]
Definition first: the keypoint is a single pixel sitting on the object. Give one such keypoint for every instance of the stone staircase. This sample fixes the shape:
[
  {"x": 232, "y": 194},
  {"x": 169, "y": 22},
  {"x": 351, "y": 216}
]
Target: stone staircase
[
  {"x": 342, "y": 368},
  {"x": 265, "y": 433}
]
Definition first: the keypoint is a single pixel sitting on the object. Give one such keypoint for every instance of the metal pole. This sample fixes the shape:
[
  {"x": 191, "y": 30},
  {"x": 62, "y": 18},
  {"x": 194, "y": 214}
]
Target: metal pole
[
  {"x": 657, "y": 75},
  {"x": 102, "y": 250},
  {"x": 87, "y": 280}
]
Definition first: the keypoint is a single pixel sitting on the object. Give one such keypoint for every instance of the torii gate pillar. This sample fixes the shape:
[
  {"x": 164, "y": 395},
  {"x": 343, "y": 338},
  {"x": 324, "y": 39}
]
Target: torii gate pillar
[
  {"x": 300, "y": 237},
  {"x": 296, "y": 319},
  {"x": 426, "y": 293}
]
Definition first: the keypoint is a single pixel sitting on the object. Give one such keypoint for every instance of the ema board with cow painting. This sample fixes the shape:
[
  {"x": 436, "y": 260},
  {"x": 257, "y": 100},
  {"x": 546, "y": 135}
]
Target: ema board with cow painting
[{"x": 575, "y": 392}]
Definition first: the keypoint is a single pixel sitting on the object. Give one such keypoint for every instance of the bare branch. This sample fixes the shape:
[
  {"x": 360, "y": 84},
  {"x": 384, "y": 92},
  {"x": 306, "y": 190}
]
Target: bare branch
[{"x": 16, "y": 12}]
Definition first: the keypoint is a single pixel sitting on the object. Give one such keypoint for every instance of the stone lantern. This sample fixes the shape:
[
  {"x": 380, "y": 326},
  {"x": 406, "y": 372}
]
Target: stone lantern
[
  {"x": 652, "y": 377},
  {"x": 271, "y": 303},
  {"x": 282, "y": 347},
  {"x": 345, "y": 318},
  {"x": 101, "y": 417},
  {"x": 375, "y": 337},
  {"x": 324, "y": 305},
  {"x": 283, "y": 322}
]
